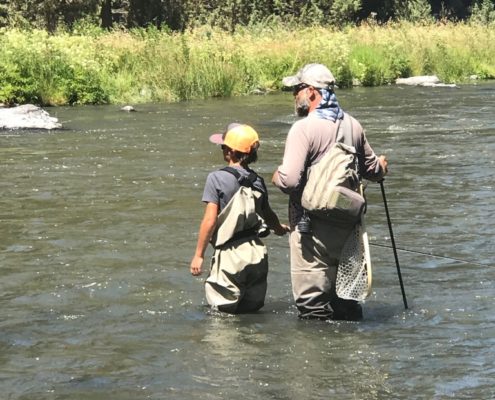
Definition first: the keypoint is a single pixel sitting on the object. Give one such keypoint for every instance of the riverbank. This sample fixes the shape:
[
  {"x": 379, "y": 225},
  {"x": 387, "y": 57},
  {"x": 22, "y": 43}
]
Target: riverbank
[{"x": 97, "y": 67}]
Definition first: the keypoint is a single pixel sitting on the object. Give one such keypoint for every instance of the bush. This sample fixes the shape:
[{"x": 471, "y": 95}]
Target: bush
[
  {"x": 149, "y": 65},
  {"x": 483, "y": 12}
]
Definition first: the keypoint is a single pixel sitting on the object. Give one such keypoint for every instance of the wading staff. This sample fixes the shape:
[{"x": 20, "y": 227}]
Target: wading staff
[{"x": 393, "y": 244}]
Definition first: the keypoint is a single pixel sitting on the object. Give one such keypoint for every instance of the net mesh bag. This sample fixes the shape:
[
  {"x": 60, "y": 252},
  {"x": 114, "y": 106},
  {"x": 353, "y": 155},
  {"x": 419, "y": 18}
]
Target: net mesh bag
[{"x": 354, "y": 272}]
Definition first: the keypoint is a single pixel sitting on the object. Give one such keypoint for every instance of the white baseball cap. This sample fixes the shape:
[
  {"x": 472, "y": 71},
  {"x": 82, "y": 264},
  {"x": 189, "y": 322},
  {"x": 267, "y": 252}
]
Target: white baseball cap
[{"x": 316, "y": 75}]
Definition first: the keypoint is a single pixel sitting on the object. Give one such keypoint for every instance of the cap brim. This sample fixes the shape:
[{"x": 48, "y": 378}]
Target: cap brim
[
  {"x": 291, "y": 81},
  {"x": 217, "y": 138}
]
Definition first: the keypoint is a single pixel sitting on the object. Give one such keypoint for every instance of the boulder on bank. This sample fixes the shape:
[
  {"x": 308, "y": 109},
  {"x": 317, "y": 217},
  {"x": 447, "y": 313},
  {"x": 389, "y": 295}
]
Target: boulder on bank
[
  {"x": 27, "y": 116},
  {"x": 427, "y": 80}
]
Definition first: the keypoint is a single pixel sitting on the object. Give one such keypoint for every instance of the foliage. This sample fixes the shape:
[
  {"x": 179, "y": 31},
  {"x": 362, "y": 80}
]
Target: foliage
[
  {"x": 231, "y": 15},
  {"x": 413, "y": 10},
  {"x": 483, "y": 12},
  {"x": 38, "y": 68},
  {"x": 45, "y": 14},
  {"x": 93, "y": 66},
  {"x": 344, "y": 11}
]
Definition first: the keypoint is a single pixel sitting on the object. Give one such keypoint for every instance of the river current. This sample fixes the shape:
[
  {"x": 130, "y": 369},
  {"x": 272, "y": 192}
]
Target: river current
[{"x": 99, "y": 221}]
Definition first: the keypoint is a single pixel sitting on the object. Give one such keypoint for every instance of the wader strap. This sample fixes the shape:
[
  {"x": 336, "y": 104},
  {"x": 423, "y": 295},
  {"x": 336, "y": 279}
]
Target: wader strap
[
  {"x": 243, "y": 180},
  {"x": 248, "y": 222}
]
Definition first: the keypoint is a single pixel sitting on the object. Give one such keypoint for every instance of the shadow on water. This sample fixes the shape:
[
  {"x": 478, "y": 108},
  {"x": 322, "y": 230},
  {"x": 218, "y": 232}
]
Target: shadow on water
[{"x": 99, "y": 222}]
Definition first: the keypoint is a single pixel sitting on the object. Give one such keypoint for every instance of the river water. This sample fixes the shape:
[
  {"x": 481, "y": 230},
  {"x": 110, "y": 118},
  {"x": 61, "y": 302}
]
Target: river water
[{"x": 99, "y": 222}]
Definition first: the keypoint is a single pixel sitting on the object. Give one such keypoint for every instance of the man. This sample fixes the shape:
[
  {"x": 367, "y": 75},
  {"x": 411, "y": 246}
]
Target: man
[{"x": 315, "y": 255}]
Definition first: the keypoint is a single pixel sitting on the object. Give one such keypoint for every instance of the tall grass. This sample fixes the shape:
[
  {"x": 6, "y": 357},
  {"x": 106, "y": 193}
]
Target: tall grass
[{"x": 97, "y": 67}]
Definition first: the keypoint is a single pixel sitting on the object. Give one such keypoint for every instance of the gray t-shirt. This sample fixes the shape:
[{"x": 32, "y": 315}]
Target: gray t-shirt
[{"x": 221, "y": 186}]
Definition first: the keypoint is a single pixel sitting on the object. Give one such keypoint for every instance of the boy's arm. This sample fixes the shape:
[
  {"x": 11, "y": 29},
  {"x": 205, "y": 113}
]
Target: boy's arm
[
  {"x": 273, "y": 222},
  {"x": 205, "y": 232}
]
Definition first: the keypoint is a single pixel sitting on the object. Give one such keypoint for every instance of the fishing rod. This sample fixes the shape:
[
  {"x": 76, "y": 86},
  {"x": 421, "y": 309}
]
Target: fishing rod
[
  {"x": 393, "y": 245},
  {"x": 430, "y": 254}
]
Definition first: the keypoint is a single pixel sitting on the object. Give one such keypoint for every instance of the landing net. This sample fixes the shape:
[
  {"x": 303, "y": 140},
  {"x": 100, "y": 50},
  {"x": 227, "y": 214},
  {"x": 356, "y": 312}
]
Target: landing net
[{"x": 354, "y": 272}]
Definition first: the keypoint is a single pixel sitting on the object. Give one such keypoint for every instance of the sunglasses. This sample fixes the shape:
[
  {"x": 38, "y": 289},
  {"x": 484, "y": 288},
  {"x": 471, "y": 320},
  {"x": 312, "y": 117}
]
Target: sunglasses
[{"x": 298, "y": 88}]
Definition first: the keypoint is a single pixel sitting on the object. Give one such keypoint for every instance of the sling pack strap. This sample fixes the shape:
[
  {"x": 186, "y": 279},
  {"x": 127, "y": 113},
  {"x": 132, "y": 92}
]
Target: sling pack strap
[
  {"x": 333, "y": 183},
  {"x": 344, "y": 135},
  {"x": 243, "y": 180}
]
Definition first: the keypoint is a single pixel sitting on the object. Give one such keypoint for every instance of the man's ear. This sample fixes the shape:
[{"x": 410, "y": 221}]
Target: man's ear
[{"x": 312, "y": 96}]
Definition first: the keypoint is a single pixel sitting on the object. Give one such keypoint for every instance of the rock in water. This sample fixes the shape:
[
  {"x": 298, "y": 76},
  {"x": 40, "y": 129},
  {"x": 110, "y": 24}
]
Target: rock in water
[
  {"x": 418, "y": 80},
  {"x": 426, "y": 81},
  {"x": 27, "y": 116}
]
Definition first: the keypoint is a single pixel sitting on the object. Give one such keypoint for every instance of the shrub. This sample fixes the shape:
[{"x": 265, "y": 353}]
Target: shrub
[
  {"x": 147, "y": 65},
  {"x": 483, "y": 12}
]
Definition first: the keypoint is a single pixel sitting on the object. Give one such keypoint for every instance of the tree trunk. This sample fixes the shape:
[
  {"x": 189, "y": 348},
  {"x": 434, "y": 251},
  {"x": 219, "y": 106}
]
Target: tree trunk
[{"x": 106, "y": 14}]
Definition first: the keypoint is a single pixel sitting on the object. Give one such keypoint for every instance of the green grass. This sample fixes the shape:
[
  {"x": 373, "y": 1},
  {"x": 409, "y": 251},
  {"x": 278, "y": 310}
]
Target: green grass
[{"x": 97, "y": 67}]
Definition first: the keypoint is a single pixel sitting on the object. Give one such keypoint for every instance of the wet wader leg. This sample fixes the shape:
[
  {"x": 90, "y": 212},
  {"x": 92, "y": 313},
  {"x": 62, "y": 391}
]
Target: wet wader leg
[
  {"x": 333, "y": 236},
  {"x": 311, "y": 281},
  {"x": 221, "y": 292},
  {"x": 314, "y": 261},
  {"x": 237, "y": 281},
  {"x": 253, "y": 278}
]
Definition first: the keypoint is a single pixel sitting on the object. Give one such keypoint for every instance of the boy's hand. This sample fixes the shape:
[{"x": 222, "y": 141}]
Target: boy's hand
[
  {"x": 281, "y": 230},
  {"x": 196, "y": 265}
]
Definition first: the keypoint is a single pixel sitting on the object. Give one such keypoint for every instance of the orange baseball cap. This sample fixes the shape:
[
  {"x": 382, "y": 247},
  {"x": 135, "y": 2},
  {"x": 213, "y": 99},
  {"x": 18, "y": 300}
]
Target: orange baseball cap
[{"x": 239, "y": 137}]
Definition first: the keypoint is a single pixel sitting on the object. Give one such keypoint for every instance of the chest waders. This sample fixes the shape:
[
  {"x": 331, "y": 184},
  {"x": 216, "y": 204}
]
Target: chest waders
[{"x": 239, "y": 266}]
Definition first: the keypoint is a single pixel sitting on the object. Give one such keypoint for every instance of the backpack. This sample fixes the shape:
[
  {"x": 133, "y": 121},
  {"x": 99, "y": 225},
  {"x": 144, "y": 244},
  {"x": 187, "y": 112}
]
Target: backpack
[
  {"x": 333, "y": 188},
  {"x": 241, "y": 216}
]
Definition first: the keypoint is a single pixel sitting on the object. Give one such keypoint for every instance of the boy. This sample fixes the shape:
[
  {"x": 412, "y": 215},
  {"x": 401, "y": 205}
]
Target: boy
[{"x": 236, "y": 206}]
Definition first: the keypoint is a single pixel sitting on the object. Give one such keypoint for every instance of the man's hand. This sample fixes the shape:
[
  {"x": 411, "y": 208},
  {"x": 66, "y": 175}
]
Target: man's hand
[{"x": 384, "y": 163}]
